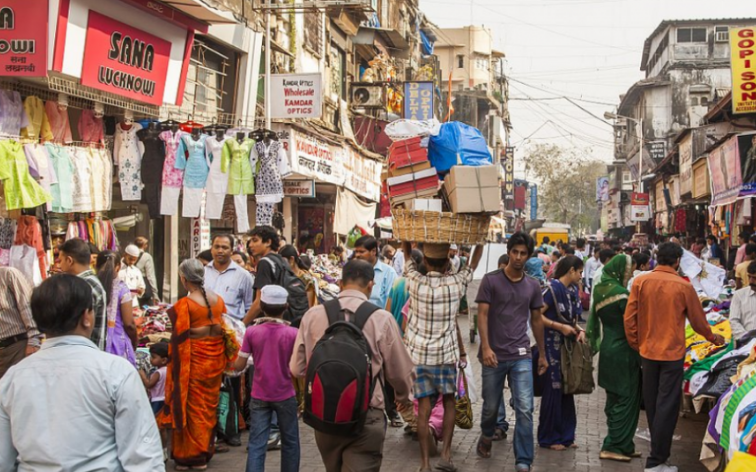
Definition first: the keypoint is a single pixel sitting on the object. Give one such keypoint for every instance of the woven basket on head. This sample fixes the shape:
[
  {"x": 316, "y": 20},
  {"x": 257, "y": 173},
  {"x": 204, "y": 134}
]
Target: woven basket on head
[{"x": 435, "y": 227}]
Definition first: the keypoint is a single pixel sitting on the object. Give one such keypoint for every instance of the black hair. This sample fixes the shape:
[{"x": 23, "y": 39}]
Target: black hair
[
  {"x": 266, "y": 234},
  {"x": 750, "y": 249},
  {"x": 436, "y": 264},
  {"x": 703, "y": 240},
  {"x": 744, "y": 235},
  {"x": 597, "y": 249},
  {"x": 568, "y": 250},
  {"x": 668, "y": 253},
  {"x": 78, "y": 250},
  {"x": 556, "y": 253},
  {"x": 546, "y": 239},
  {"x": 106, "y": 264},
  {"x": 93, "y": 249},
  {"x": 522, "y": 239},
  {"x": 752, "y": 267},
  {"x": 337, "y": 249},
  {"x": 206, "y": 255},
  {"x": 244, "y": 257},
  {"x": 641, "y": 259},
  {"x": 289, "y": 251},
  {"x": 159, "y": 349},
  {"x": 711, "y": 237},
  {"x": 368, "y": 242},
  {"x": 358, "y": 271},
  {"x": 503, "y": 260},
  {"x": 617, "y": 249},
  {"x": 229, "y": 237},
  {"x": 417, "y": 256},
  {"x": 59, "y": 303},
  {"x": 606, "y": 255},
  {"x": 567, "y": 263},
  {"x": 580, "y": 243},
  {"x": 272, "y": 310}
]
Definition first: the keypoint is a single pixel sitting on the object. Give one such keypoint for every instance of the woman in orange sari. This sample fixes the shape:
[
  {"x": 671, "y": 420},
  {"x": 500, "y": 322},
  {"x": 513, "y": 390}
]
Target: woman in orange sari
[{"x": 198, "y": 357}]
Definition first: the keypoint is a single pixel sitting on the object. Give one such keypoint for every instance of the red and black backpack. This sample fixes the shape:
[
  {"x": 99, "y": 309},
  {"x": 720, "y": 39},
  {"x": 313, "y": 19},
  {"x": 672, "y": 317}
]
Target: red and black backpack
[{"x": 339, "y": 381}]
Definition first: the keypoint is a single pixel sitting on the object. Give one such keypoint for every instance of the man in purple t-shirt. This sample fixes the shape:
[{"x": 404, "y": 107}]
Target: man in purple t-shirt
[
  {"x": 270, "y": 342},
  {"x": 507, "y": 300}
]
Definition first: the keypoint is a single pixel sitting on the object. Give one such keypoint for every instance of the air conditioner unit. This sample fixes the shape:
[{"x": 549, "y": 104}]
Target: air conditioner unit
[{"x": 368, "y": 95}]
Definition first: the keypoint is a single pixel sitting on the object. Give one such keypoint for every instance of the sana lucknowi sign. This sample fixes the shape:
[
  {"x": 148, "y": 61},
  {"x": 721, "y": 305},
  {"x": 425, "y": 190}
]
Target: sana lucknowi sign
[{"x": 23, "y": 38}]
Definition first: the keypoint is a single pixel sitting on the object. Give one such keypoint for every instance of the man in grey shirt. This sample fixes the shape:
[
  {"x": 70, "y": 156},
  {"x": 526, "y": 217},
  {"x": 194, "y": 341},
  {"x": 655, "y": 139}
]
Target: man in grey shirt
[{"x": 146, "y": 264}]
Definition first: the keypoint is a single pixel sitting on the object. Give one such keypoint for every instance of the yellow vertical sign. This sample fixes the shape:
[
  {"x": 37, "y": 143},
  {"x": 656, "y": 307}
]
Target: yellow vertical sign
[{"x": 743, "y": 68}]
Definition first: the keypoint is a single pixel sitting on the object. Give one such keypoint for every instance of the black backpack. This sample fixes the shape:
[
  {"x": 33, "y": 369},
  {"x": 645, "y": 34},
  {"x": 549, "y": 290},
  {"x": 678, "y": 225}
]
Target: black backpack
[
  {"x": 285, "y": 277},
  {"x": 339, "y": 380}
]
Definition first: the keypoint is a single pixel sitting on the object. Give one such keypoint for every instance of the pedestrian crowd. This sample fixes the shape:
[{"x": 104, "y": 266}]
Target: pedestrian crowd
[{"x": 387, "y": 351}]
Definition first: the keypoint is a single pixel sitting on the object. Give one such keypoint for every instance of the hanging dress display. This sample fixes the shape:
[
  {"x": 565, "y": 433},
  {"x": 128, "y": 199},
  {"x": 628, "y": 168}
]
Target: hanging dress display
[
  {"x": 217, "y": 180},
  {"x": 127, "y": 155},
  {"x": 152, "y": 168},
  {"x": 81, "y": 192},
  {"x": 101, "y": 164},
  {"x": 57, "y": 115},
  {"x": 191, "y": 159},
  {"x": 39, "y": 125},
  {"x": 41, "y": 168},
  {"x": 21, "y": 190},
  {"x": 235, "y": 160},
  {"x": 271, "y": 165},
  {"x": 91, "y": 127},
  {"x": 62, "y": 200},
  {"x": 12, "y": 114},
  {"x": 172, "y": 178}
]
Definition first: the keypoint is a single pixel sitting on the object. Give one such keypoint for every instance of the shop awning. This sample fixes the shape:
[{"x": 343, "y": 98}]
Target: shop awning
[
  {"x": 390, "y": 38},
  {"x": 201, "y": 11}
]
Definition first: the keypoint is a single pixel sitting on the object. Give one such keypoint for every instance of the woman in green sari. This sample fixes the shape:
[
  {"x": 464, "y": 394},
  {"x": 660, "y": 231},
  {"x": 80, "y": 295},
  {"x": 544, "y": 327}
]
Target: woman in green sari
[{"x": 619, "y": 371}]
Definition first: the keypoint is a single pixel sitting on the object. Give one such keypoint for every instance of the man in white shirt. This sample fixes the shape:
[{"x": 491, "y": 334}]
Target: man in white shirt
[
  {"x": 130, "y": 273},
  {"x": 743, "y": 306},
  {"x": 71, "y": 406},
  {"x": 605, "y": 255},
  {"x": 591, "y": 265}
]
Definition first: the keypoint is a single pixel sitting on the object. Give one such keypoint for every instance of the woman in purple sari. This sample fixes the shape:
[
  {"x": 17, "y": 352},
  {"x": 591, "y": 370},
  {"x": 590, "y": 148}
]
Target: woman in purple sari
[{"x": 122, "y": 333}]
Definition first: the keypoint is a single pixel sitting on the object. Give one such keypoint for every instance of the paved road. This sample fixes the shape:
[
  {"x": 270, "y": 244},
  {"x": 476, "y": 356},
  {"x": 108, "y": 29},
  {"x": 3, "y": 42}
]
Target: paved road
[{"x": 402, "y": 454}]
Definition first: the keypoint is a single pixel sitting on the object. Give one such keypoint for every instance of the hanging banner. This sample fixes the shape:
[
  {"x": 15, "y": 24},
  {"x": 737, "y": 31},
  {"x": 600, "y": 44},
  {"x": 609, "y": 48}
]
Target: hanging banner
[
  {"x": 657, "y": 149},
  {"x": 299, "y": 188},
  {"x": 700, "y": 179},
  {"x": 23, "y": 38},
  {"x": 296, "y": 96},
  {"x": 685, "y": 148},
  {"x": 743, "y": 68},
  {"x": 602, "y": 189},
  {"x": 418, "y": 100},
  {"x": 724, "y": 169},
  {"x": 533, "y": 202},
  {"x": 361, "y": 174},
  {"x": 125, "y": 61},
  {"x": 747, "y": 152},
  {"x": 508, "y": 163},
  {"x": 311, "y": 157}
]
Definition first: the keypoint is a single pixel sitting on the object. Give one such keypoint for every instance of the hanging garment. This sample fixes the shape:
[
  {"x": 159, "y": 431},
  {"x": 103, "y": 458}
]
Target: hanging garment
[
  {"x": 21, "y": 190},
  {"x": 39, "y": 125},
  {"x": 152, "y": 168},
  {"x": 24, "y": 258},
  {"x": 41, "y": 168},
  {"x": 127, "y": 154},
  {"x": 7, "y": 232},
  {"x": 235, "y": 160},
  {"x": 59, "y": 125},
  {"x": 81, "y": 191},
  {"x": 61, "y": 191},
  {"x": 102, "y": 179},
  {"x": 172, "y": 178},
  {"x": 12, "y": 114},
  {"x": 217, "y": 180},
  {"x": 242, "y": 213},
  {"x": 192, "y": 160},
  {"x": 29, "y": 233},
  {"x": 91, "y": 128},
  {"x": 270, "y": 165},
  {"x": 264, "y": 214}
]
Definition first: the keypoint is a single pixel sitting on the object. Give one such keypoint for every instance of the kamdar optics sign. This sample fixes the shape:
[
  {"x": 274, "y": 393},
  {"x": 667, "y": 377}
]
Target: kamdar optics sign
[
  {"x": 743, "y": 62},
  {"x": 125, "y": 61},
  {"x": 295, "y": 96}
]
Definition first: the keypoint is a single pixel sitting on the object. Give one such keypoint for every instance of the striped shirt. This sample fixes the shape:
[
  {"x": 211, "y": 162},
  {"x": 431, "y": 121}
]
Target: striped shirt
[
  {"x": 431, "y": 334},
  {"x": 99, "y": 305},
  {"x": 15, "y": 311}
]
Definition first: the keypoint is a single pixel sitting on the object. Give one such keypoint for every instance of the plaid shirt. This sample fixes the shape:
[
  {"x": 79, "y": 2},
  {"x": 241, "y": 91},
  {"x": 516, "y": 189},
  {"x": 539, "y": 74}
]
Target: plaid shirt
[
  {"x": 99, "y": 306},
  {"x": 431, "y": 335}
]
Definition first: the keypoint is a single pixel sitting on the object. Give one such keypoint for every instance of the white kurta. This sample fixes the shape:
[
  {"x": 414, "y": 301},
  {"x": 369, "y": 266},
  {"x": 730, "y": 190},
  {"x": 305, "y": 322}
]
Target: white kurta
[{"x": 127, "y": 153}]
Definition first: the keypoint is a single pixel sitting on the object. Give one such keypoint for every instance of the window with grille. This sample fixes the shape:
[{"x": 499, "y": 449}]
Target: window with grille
[
  {"x": 691, "y": 35},
  {"x": 313, "y": 32},
  {"x": 338, "y": 71},
  {"x": 722, "y": 34}
]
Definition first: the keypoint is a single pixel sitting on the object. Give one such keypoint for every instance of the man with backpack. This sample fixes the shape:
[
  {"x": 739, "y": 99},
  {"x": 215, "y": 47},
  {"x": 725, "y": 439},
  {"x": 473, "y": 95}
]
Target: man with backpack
[{"x": 363, "y": 349}]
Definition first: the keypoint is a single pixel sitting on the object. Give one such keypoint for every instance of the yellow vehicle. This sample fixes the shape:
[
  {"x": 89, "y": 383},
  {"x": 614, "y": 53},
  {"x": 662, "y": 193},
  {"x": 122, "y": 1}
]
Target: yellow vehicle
[{"x": 553, "y": 233}]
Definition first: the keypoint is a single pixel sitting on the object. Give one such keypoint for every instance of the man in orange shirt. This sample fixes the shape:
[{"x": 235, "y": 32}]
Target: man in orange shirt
[{"x": 659, "y": 303}]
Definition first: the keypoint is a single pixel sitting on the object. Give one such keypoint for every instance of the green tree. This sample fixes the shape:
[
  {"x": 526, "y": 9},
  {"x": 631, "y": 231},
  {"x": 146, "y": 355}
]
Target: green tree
[{"x": 567, "y": 185}]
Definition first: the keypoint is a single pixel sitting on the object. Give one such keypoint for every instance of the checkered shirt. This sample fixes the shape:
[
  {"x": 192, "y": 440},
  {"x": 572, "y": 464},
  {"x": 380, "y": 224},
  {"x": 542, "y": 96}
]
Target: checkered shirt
[{"x": 431, "y": 335}]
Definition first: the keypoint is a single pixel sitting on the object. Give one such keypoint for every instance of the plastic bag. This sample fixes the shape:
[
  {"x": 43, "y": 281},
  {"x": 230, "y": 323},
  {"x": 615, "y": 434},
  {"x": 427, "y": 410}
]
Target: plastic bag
[
  {"x": 458, "y": 143},
  {"x": 238, "y": 329},
  {"x": 464, "y": 414},
  {"x": 406, "y": 129}
]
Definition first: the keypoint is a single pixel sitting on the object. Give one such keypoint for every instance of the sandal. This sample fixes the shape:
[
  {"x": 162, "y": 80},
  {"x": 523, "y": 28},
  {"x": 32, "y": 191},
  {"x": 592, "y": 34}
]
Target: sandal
[
  {"x": 483, "y": 449},
  {"x": 613, "y": 456},
  {"x": 499, "y": 434},
  {"x": 557, "y": 447},
  {"x": 446, "y": 466}
]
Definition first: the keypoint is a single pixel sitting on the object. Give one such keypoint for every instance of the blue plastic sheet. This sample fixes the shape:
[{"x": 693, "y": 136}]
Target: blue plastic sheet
[
  {"x": 458, "y": 143},
  {"x": 427, "y": 44}
]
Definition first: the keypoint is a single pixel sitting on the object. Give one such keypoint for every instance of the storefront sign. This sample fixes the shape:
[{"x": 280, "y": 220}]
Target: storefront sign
[
  {"x": 295, "y": 96},
  {"x": 724, "y": 169},
  {"x": 639, "y": 213},
  {"x": 508, "y": 163},
  {"x": 311, "y": 157},
  {"x": 700, "y": 179},
  {"x": 533, "y": 202},
  {"x": 602, "y": 189},
  {"x": 674, "y": 190},
  {"x": 638, "y": 198},
  {"x": 657, "y": 149},
  {"x": 23, "y": 38},
  {"x": 743, "y": 65},
  {"x": 418, "y": 100},
  {"x": 200, "y": 231},
  {"x": 747, "y": 152},
  {"x": 685, "y": 148},
  {"x": 124, "y": 60},
  {"x": 299, "y": 188},
  {"x": 660, "y": 203},
  {"x": 361, "y": 174}
]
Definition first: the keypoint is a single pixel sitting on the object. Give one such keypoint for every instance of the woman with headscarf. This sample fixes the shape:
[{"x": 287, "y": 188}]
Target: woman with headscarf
[
  {"x": 619, "y": 369},
  {"x": 200, "y": 351}
]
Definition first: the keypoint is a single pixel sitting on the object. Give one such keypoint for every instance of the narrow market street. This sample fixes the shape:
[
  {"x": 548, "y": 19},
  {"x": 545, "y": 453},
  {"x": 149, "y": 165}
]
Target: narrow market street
[{"x": 403, "y": 454}]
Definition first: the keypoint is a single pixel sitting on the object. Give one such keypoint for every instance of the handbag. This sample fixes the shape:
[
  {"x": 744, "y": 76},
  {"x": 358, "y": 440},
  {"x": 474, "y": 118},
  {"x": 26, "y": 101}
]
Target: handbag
[
  {"x": 464, "y": 414},
  {"x": 577, "y": 361}
]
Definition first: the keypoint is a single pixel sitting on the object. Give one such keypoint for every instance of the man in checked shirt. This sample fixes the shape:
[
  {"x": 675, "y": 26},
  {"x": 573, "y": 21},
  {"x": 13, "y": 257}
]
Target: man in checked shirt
[{"x": 431, "y": 339}]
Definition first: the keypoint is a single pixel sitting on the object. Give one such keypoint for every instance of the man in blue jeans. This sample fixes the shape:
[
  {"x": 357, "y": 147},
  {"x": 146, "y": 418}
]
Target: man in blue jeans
[{"x": 507, "y": 299}]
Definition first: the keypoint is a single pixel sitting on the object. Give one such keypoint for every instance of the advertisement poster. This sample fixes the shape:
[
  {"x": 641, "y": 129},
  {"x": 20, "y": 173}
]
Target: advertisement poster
[
  {"x": 418, "y": 100},
  {"x": 296, "y": 96},
  {"x": 742, "y": 57},
  {"x": 311, "y": 229},
  {"x": 602, "y": 189},
  {"x": 299, "y": 188},
  {"x": 125, "y": 61},
  {"x": 23, "y": 38},
  {"x": 686, "y": 164},
  {"x": 747, "y": 151},
  {"x": 724, "y": 168}
]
